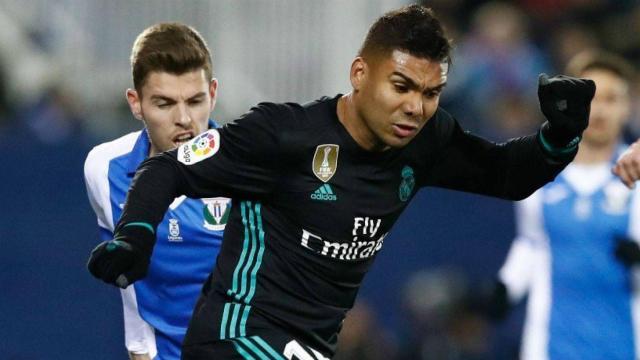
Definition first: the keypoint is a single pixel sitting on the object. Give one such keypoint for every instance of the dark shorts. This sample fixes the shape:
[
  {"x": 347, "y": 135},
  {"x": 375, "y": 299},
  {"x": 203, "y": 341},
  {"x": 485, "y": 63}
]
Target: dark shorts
[
  {"x": 275, "y": 346},
  {"x": 234, "y": 330}
]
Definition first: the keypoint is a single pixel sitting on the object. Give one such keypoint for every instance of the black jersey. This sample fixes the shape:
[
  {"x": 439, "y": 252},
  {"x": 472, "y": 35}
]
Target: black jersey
[{"x": 311, "y": 209}]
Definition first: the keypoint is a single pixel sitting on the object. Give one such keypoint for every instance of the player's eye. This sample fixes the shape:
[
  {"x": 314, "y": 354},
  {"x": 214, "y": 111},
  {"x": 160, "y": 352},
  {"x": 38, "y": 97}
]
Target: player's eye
[
  {"x": 164, "y": 105},
  {"x": 401, "y": 88},
  {"x": 433, "y": 94}
]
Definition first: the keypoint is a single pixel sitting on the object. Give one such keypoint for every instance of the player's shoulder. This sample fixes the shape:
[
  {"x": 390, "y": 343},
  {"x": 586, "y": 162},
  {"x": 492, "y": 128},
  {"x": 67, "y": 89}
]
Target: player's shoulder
[
  {"x": 99, "y": 157},
  {"x": 322, "y": 110},
  {"x": 320, "y": 103},
  {"x": 273, "y": 110},
  {"x": 313, "y": 115},
  {"x": 284, "y": 118}
]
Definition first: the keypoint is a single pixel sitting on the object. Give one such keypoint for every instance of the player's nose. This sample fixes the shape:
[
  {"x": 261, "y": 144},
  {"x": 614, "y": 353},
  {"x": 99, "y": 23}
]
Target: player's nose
[
  {"x": 183, "y": 117},
  {"x": 413, "y": 106},
  {"x": 598, "y": 109}
]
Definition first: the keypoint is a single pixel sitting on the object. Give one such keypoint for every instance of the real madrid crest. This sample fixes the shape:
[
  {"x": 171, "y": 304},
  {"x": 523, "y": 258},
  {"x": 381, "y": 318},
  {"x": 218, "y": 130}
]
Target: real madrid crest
[
  {"x": 325, "y": 161},
  {"x": 407, "y": 184}
]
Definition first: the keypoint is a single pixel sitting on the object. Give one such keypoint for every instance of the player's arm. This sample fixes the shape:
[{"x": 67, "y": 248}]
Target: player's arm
[
  {"x": 627, "y": 168},
  {"x": 241, "y": 158},
  {"x": 515, "y": 169},
  {"x": 523, "y": 260},
  {"x": 514, "y": 278},
  {"x": 97, "y": 184}
]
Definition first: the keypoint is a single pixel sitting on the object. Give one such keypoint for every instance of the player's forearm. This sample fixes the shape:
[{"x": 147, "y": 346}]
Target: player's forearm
[
  {"x": 512, "y": 171},
  {"x": 125, "y": 259},
  {"x": 528, "y": 166},
  {"x": 154, "y": 187}
]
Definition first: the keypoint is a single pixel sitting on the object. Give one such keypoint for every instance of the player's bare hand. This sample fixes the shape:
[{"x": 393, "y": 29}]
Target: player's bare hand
[{"x": 627, "y": 168}]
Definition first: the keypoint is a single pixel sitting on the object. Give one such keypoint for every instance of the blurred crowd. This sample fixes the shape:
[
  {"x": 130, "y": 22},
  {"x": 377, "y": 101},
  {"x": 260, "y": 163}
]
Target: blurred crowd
[
  {"x": 500, "y": 48},
  {"x": 443, "y": 317}
]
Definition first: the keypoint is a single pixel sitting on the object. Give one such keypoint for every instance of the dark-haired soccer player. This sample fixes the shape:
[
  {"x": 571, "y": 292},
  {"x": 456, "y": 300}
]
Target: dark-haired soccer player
[{"x": 317, "y": 187}]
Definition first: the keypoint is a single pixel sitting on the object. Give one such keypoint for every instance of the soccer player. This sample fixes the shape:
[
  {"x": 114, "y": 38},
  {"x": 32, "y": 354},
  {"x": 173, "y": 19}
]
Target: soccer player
[
  {"x": 174, "y": 95},
  {"x": 317, "y": 187},
  {"x": 573, "y": 249}
]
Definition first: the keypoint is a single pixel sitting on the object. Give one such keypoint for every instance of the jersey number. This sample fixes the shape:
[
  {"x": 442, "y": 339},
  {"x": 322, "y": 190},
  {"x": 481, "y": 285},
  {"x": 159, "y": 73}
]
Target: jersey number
[{"x": 295, "y": 351}]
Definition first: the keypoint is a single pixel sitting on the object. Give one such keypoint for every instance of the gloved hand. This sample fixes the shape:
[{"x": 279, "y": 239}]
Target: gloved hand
[
  {"x": 627, "y": 251},
  {"x": 566, "y": 102},
  {"x": 125, "y": 259}
]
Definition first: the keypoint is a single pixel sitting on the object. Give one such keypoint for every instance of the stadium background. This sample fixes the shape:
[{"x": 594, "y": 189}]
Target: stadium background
[{"x": 63, "y": 71}]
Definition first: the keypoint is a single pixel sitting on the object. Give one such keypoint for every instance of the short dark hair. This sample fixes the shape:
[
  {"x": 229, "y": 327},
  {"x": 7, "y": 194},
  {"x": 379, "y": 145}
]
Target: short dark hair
[
  {"x": 170, "y": 47},
  {"x": 414, "y": 29},
  {"x": 601, "y": 60}
]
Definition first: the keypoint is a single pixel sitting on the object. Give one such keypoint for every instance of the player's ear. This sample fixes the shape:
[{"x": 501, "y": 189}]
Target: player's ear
[
  {"x": 358, "y": 72},
  {"x": 213, "y": 92},
  {"x": 134, "y": 103}
]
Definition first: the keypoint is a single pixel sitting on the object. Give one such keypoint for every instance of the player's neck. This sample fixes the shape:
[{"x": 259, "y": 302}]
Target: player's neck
[
  {"x": 152, "y": 151},
  {"x": 592, "y": 153},
  {"x": 355, "y": 125}
]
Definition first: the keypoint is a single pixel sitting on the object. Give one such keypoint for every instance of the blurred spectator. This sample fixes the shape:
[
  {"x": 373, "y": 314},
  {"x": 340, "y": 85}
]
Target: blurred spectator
[
  {"x": 453, "y": 14},
  {"x": 550, "y": 10},
  {"x": 53, "y": 118},
  {"x": 615, "y": 29},
  {"x": 569, "y": 40},
  {"x": 495, "y": 71},
  {"x": 361, "y": 337},
  {"x": 443, "y": 323}
]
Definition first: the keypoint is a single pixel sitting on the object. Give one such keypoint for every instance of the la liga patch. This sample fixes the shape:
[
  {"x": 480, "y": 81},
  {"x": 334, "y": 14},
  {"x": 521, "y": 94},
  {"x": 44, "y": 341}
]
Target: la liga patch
[{"x": 199, "y": 148}]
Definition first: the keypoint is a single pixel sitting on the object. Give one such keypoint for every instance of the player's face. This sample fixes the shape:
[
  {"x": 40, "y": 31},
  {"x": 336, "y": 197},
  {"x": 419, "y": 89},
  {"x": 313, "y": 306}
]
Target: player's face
[
  {"x": 395, "y": 96},
  {"x": 174, "y": 108},
  {"x": 610, "y": 108}
]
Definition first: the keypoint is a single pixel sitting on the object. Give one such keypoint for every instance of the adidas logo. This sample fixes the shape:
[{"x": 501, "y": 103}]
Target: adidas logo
[{"x": 324, "y": 193}]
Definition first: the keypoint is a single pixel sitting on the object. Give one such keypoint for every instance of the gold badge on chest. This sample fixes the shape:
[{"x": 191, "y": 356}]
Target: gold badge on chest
[{"x": 325, "y": 161}]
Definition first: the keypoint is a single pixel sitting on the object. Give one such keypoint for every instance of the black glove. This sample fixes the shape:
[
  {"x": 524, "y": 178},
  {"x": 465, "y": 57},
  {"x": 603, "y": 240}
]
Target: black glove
[
  {"x": 125, "y": 259},
  {"x": 628, "y": 252},
  {"x": 565, "y": 102}
]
